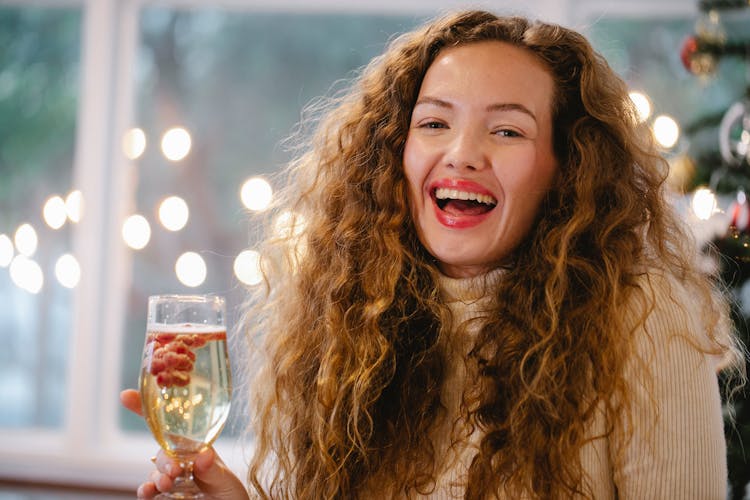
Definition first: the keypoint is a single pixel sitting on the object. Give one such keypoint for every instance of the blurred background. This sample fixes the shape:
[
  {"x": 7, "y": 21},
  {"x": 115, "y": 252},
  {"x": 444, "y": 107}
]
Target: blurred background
[{"x": 139, "y": 142}]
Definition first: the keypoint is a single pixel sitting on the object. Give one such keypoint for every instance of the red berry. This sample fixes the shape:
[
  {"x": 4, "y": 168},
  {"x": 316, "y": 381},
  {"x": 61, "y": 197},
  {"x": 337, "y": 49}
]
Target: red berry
[
  {"x": 180, "y": 378},
  {"x": 164, "y": 379},
  {"x": 165, "y": 337},
  {"x": 178, "y": 347},
  {"x": 157, "y": 365}
]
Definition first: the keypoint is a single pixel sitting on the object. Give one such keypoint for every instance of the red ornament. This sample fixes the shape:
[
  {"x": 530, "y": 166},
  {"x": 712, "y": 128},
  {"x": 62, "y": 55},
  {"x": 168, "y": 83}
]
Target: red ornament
[
  {"x": 696, "y": 58},
  {"x": 689, "y": 48},
  {"x": 740, "y": 215}
]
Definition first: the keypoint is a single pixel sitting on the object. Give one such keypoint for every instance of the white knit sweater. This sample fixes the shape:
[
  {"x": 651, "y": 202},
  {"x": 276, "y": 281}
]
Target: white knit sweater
[{"x": 683, "y": 457}]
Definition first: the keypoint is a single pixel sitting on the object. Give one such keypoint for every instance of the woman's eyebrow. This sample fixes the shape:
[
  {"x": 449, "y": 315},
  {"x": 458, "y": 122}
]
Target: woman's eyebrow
[
  {"x": 501, "y": 106},
  {"x": 434, "y": 101},
  {"x": 511, "y": 106}
]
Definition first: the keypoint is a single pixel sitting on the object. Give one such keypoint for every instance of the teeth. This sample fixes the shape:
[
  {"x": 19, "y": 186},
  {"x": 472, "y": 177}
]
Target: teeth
[{"x": 455, "y": 194}]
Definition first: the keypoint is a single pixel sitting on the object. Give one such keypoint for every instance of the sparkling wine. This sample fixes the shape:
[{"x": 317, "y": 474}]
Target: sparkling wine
[{"x": 185, "y": 385}]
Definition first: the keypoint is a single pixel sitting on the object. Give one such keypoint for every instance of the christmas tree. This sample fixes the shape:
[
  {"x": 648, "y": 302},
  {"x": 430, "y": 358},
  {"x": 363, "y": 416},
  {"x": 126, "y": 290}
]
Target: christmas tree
[{"x": 721, "y": 167}]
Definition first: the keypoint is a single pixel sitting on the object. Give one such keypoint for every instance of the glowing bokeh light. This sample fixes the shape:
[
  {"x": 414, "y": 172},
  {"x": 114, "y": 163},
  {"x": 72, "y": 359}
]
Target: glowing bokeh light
[
  {"x": 6, "y": 250},
  {"x": 54, "y": 212},
  {"x": 256, "y": 194},
  {"x": 190, "y": 269},
  {"x": 247, "y": 267},
  {"x": 173, "y": 213},
  {"x": 26, "y": 240},
  {"x": 68, "y": 271},
  {"x": 74, "y": 205},
  {"x": 642, "y": 105},
  {"x": 666, "y": 131},
  {"x": 136, "y": 232},
  {"x": 704, "y": 203},
  {"x": 176, "y": 143},
  {"x": 134, "y": 143},
  {"x": 289, "y": 224},
  {"x": 26, "y": 274}
]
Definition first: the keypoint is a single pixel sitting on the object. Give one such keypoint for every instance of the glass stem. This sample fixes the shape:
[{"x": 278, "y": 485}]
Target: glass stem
[
  {"x": 184, "y": 486},
  {"x": 187, "y": 472}
]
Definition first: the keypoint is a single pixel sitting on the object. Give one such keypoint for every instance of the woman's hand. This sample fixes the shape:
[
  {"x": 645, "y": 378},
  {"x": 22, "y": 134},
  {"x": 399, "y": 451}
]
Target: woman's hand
[{"x": 211, "y": 475}]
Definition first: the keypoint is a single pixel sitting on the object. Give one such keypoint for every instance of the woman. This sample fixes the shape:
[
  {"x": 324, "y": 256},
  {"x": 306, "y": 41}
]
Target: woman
[{"x": 484, "y": 293}]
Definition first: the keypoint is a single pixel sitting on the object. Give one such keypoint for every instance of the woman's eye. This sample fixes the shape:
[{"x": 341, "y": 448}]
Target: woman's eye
[
  {"x": 507, "y": 133},
  {"x": 433, "y": 125}
]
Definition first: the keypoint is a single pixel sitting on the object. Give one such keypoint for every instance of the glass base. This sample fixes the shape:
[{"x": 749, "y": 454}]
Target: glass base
[{"x": 181, "y": 495}]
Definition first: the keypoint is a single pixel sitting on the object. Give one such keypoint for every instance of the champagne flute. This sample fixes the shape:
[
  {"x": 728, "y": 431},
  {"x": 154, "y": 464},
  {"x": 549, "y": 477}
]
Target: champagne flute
[{"x": 185, "y": 381}]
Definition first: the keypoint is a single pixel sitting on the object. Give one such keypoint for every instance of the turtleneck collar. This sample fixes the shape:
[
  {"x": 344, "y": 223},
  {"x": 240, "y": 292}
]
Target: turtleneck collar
[{"x": 471, "y": 289}]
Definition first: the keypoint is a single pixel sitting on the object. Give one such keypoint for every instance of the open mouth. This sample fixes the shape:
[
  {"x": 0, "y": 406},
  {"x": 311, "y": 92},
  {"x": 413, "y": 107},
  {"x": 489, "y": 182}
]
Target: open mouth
[{"x": 459, "y": 202}]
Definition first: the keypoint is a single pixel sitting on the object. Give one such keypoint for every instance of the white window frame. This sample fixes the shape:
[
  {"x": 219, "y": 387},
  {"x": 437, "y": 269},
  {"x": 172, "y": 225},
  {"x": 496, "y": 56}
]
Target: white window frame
[{"x": 90, "y": 449}]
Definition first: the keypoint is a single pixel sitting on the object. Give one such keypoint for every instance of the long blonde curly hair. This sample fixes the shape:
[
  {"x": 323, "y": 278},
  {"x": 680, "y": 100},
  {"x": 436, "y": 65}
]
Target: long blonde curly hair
[{"x": 350, "y": 315}]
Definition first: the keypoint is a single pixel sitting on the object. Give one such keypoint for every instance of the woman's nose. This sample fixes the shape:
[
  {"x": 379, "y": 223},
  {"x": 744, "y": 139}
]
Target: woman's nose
[{"x": 467, "y": 151}]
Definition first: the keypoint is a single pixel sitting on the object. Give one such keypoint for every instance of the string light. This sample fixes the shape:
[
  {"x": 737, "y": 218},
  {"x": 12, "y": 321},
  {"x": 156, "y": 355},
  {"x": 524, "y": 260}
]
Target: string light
[
  {"x": 190, "y": 269},
  {"x": 26, "y": 274},
  {"x": 26, "y": 240},
  {"x": 256, "y": 194},
  {"x": 247, "y": 267},
  {"x": 666, "y": 131},
  {"x": 74, "y": 205},
  {"x": 704, "y": 203},
  {"x": 54, "y": 212},
  {"x": 173, "y": 213},
  {"x": 642, "y": 105},
  {"x": 136, "y": 232},
  {"x": 134, "y": 143},
  {"x": 68, "y": 271},
  {"x": 175, "y": 144},
  {"x": 289, "y": 224}
]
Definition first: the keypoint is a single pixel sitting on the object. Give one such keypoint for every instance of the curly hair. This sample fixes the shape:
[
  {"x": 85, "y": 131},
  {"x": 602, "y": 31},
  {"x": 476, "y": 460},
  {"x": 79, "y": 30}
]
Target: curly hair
[{"x": 350, "y": 316}]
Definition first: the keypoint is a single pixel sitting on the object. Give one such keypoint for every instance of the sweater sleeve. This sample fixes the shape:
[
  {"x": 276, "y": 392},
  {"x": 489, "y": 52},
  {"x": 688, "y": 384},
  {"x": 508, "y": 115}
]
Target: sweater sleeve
[{"x": 677, "y": 447}]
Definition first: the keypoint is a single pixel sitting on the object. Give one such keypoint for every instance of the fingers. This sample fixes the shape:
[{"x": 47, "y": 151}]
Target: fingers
[
  {"x": 214, "y": 477},
  {"x": 161, "y": 479},
  {"x": 147, "y": 490},
  {"x": 210, "y": 473},
  {"x": 131, "y": 399}
]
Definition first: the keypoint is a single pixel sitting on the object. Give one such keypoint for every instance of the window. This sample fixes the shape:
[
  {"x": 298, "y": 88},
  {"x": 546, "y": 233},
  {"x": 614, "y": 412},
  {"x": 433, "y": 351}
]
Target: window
[{"x": 39, "y": 65}]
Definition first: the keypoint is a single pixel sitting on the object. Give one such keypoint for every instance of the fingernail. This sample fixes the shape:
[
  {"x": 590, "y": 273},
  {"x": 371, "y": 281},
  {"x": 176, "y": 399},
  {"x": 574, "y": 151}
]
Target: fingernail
[{"x": 153, "y": 459}]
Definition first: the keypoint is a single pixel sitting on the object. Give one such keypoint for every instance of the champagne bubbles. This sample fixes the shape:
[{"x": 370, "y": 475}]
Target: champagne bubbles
[{"x": 190, "y": 269}]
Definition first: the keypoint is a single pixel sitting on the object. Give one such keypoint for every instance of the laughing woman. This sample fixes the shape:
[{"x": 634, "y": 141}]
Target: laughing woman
[{"x": 485, "y": 294}]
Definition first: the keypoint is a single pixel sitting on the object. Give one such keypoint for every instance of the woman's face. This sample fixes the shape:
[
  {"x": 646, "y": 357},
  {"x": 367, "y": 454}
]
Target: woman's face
[{"x": 478, "y": 156}]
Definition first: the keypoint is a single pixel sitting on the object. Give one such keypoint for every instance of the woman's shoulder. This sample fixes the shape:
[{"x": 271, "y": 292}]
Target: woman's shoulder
[{"x": 667, "y": 312}]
